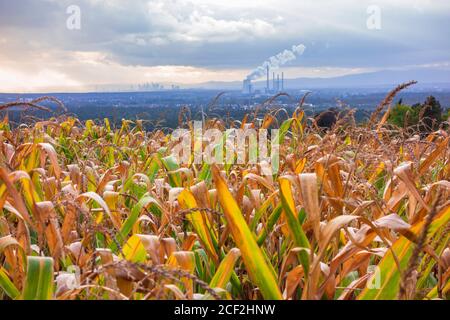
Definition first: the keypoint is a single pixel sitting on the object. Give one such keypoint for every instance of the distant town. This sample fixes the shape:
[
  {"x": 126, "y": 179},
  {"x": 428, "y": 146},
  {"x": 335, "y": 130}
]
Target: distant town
[{"x": 161, "y": 108}]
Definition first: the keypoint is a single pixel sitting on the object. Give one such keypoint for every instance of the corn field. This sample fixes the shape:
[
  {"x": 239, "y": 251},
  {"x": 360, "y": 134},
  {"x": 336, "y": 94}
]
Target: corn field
[{"x": 357, "y": 212}]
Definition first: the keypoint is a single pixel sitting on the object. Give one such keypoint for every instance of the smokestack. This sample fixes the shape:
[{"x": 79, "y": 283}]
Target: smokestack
[
  {"x": 274, "y": 83},
  {"x": 268, "y": 80},
  {"x": 282, "y": 81},
  {"x": 278, "y": 82}
]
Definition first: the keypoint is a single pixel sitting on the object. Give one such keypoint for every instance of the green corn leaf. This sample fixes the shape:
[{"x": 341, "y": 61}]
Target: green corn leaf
[{"x": 39, "y": 279}]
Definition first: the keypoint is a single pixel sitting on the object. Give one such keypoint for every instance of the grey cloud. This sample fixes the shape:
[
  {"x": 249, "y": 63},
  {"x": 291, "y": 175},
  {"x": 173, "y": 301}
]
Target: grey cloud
[{"x": 179, "y": 32}]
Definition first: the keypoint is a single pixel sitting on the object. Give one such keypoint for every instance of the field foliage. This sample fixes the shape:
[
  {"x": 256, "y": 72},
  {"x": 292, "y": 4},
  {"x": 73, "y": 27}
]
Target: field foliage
[{"x": 88, "y": 211}]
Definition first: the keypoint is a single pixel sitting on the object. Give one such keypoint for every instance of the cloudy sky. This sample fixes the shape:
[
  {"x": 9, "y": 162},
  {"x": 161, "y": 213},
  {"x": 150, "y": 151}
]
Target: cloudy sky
[{"x": 192, "y": 41}]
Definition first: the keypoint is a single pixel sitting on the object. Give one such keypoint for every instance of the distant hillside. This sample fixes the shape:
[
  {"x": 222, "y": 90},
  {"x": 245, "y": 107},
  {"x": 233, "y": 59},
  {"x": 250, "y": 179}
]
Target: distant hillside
[{"x": 426, "y": 77}]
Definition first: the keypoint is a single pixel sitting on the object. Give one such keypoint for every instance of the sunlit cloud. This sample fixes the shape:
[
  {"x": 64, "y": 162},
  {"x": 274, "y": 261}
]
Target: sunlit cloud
[{"x": 193, "y": 41}]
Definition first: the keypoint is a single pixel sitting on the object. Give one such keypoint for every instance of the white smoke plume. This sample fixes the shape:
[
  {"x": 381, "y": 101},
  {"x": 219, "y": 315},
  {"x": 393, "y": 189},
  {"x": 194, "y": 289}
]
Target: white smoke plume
[{"x": 277, "y": 61}]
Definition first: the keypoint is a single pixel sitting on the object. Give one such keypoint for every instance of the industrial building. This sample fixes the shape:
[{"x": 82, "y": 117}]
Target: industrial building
[
  {"x": 277, "y": 84},
  {"x": 247, "y": 87}
]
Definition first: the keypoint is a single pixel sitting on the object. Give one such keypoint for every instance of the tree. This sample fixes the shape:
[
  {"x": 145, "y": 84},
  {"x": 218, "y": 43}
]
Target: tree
[
  {"x": 446, "y": 115},
  {"x": 327, "y": 119},
  {"x": 403, "y": 115},
  {"x": 430, "y": 115}
]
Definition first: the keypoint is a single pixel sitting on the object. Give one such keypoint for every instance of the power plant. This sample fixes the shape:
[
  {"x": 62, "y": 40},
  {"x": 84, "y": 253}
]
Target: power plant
[
  {"x": 247, "y": 87},
  {"x": 277, "y": 84},
  {"x": 275, "y": 62}
]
